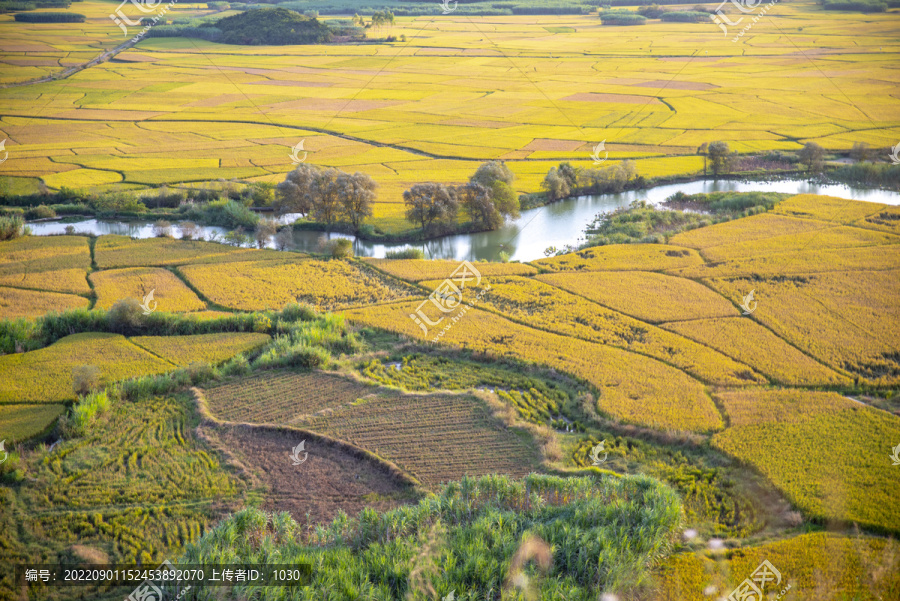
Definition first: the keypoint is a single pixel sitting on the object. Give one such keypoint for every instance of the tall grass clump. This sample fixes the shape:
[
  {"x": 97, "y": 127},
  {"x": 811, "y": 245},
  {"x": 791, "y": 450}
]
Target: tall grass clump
[
  {"x": 475, "y": 537},
  {"x": 405, "y": 253},
  {"x": 11, "y": 227},
  {"x": 84, "y": 412}
]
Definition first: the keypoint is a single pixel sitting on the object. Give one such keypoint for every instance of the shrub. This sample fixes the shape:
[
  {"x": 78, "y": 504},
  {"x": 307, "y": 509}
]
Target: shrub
[
  {"x": 84, "y": 412},
  {"x": 162, "y": 229},
  {"x": 685, "y": 16},
  {"x": 50, "y": 18},
  {"x": 125, "y": 316},
  {"x": 40, "y": 212},
  {"x": 85, "y": 379},
  {"x": 654, "y": 11},
  {"x": 189, "y": 230},
  {"x": 70, "y": 230},
  {"x": 11, "y": 227},
  {"x": 298, "y": 312},
  {"x": 405, "y": 253},
  {"x": 339, "y": 248},
  {"x": 621, "y": 17}
]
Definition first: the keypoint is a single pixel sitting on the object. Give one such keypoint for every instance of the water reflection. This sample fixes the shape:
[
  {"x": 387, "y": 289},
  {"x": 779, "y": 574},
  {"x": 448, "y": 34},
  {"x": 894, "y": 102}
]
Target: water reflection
[{"x": 525, "y": 239}]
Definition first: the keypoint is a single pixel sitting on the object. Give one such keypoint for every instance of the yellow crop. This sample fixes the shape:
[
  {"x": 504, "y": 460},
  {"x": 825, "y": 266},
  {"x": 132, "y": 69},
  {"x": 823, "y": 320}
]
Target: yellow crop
[
  {"x": 200, "y": 348},
  {"x": 662, "y": 397},
  {"x": 827, "y": 208},
  {"x": 28, "y": 254},
  {"x": 122, "y": 251},
  {"x": 45, "y": 375},
  {"x": 861, "y": 567},
  {"x": 21, "y": 422},
  {"x": 627, "y": 257},
  {"x": 753, "y": 344},
  {"x": 545, "y": 307},
  {"x": 16, "y": 303},
  {"x": 847, "y": 320},
  {"x": 652, "y": 297},
  {"x": 829, "y": 454},
  {"x": 416, "y": 270},
  {"x": 169, "y": 293},
  {"x": 259, "y": 285}
]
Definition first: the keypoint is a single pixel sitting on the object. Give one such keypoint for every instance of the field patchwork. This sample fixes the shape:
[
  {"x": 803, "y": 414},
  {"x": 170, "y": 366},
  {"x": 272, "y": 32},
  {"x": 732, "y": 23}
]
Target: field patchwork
[{"x": 170, "y": 293}]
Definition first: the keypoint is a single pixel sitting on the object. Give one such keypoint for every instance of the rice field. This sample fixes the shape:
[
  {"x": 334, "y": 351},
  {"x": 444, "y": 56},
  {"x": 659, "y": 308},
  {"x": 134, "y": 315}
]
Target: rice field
[
  {"x": 21, "y": 422},
  {"x": 327, "y": 285},
  {"x": 200, "y": 348},
  {"x": 829, "y": 454},
  {"x": 170, "y": 293},
  {"x": 663, "y": 397},
  {"x": 15, "y": 303},
  {"x": 624, "y": 257},
  {"x": 173, "y": 111},
  {"x": 121, "y": 251},
  {"x": 415, "y": 270}
]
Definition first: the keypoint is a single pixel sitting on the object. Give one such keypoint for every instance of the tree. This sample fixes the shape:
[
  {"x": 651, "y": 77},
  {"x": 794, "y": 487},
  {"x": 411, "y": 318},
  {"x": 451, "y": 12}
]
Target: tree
[
  {"x": 427, "y": 204},
  {"x": 719, "y": 157},
  {"x": 556, "y": 185},
  {"x": 704, "y": 150},
  {"x": 505, "y": 199},
  {"x": 569, "y": 174},
  {"x": 284, "y": 238},
  {"x": 189, "y": 230},
  {"x": 812, "y": 156},
  {"x": 357, "y": 192},
  {"x": 492, "y": 171},
  {"x": 325, "y": 196},
  {"x": 477, "y": 202},
  {"x": 294, "y": 194},
  {"x": 265, "y": 229},
  {"x": 860, "y": 152}
]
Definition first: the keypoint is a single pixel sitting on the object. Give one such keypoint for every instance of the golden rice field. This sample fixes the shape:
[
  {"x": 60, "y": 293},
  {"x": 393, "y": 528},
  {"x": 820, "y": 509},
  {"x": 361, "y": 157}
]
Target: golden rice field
[
  {"x": 45, "y": 375},
  {"x": 122, "y": 251},
  {"x": 747, "y": 341},
  {"x": 647, "y": 296},
  {"x": 624, "y": 257},
  {"x": 663, "y": 397},
  {"x": 200, "y": 348},
  {"x": 33, "y": 256},
  {"x": 533, "y": 90},
  {"x": 828, "y": 453},
  {"x": 847, "y": 320},
  {"x": 327, "y": 285},
  {"x": 15, "y": 303},
  {"x": 170, "y": 293},
  {"x": 21, "y": 422},
  {"x": 415, "y": 270},
  {"x": 542, "y": 306},
  {"x": 817, "y": 566}
]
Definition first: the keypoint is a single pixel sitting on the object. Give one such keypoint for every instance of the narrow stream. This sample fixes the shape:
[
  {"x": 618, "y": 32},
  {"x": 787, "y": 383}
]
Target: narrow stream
[{"x": 524, "y": 239}]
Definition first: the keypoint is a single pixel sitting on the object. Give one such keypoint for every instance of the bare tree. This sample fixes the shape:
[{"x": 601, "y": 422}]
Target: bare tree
[
  {"x": 477, "y": 202},
  {"x": 427, "y": 204},
  {"x": 326, "y": 196},
  {"x": 284, "y": 238},
  {"x": 294, "y": 194},
  {"x": 704, "y": 150},
  {"x": 189, "y": 230},
  {"x": 719, "y": 157},
  {"x": 812, "y": 156},
  {"x": 265, "y": 229},
  {"x": 357, "y": 192},
  {"x": 860, "y": 152}
]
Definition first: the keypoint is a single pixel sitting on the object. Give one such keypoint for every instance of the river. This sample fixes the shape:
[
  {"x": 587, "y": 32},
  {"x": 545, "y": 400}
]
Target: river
[{"x": 524, "y": 239}]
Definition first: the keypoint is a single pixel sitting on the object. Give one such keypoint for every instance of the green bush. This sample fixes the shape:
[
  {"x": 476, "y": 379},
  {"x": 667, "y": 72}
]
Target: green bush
[
  {"x": 126, "y": 316},
  {"x": 40, "y": 212},
  {"x": 621, "y": 17},
  {"x": 50, "y": 18},
  {"x": 85, "y": 379},
  {"x": 272, "y": 26},
  {"x": 405, "y": 253},
  {"x": 339, "y": 248},
  {"x": 11, "y": 227},
  {"x": 78, "y": 422},
  {"x": 685, "y": 16}
]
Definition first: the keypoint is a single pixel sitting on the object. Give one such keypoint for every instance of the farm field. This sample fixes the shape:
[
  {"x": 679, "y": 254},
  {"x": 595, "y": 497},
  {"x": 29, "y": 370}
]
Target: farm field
[
  {"x": 703, "y": 377},
  {"x": 532, "y": 90}
]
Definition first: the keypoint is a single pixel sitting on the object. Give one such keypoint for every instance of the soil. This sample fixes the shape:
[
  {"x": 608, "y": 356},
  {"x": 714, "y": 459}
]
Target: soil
[{"x": 329, "y": 480}]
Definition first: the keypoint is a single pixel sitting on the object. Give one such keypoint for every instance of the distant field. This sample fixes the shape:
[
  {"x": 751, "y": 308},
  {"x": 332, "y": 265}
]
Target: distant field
[
  {"x": 33, "y": 303},
  {"x": 532, "y": 90},
  {"x": 170, "y": 293}
]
